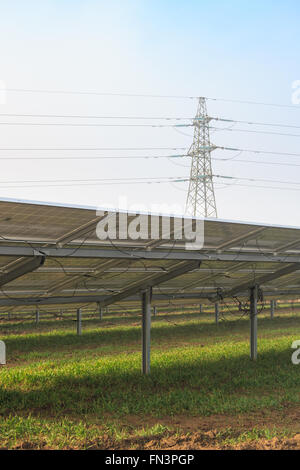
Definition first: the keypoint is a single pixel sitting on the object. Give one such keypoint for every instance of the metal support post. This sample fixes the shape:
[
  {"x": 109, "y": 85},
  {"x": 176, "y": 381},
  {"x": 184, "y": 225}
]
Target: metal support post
[
  {"x": 37, "y": 316},
  {"x": 100, "y": 309},
  {"x": 2, "y": 353},
  {"x": 253, "y": 322},
  {"x": 272, "y": 306},
  {"x": 146, "y": 327},
  {"x": 217, "y": 313},
  {"x": 79, "y": 321}
]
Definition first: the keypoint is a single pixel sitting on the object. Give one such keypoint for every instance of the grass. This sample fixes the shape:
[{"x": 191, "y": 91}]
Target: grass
[
  {"x": 59, "y": 390},
  {"x": 31, "y": 432}
]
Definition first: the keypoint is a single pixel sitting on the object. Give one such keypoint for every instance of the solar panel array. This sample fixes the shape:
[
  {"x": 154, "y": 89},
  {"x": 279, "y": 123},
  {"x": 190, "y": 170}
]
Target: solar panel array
[{"x": 79, "y": 269}]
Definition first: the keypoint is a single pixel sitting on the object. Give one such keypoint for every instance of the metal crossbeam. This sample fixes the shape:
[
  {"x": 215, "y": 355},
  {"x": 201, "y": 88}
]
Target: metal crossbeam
[
  {"x": 80, "y": 299},
  {"x": 99, "y": 269},
  {"x": 241, "y": 238},
  {"x": 80, "y": 231},
  {"x": 262, "y": 280},
  {"x": 288, "y": 246},
  {"x": 88, "y": 299},
  {"x": 168, "y": 254},
  {"x": 200, "y": 281},
  {"x": 178, "y": 270},
  {"x": 23, "y": 268}
]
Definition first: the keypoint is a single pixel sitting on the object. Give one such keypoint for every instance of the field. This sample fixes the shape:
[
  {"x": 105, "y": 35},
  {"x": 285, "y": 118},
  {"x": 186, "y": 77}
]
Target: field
[{"x": 62, "y": 391}]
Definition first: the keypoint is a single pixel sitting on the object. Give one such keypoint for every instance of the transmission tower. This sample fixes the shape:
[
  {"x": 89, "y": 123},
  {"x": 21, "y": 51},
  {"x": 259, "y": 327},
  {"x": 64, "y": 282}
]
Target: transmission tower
[{"x": 201, "y": 199}]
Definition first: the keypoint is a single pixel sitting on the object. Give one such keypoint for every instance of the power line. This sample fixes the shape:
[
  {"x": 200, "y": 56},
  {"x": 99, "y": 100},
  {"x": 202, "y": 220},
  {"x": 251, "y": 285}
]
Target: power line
[
  {"x": 262, "y": 180},
  {"x": 64, "y": 124},
  {"x": 232, "y": 185},
  {"x": 149, "y": 179},
  {"x": 86, "y": 149},
  {"x": 261, "y": 187},
  {"x": 255, "y": 123},
  {"x": 253, "y": 161},
  {"x": 164, "y": 118},
  {"x": 101, "y": 157},
  {"x": 259, "y": 151},
  {"x": 93, "y": 116},
  {"x": 67, "y": 92},
  {"x": 89, "y": 124},
  {"x": 260, "y": 103},
  {"x": 254, "y": 131},
  {"x": 142, "y": 157},
  {"x": 146, "y": 179},
  {"x": 146, "y": 95},
  {"x": 66, "y": 185}
]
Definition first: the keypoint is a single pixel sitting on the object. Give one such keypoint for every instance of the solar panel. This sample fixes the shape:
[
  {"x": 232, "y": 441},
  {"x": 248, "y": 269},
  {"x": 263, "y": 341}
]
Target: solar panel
[{"x": 79, "y": 268}]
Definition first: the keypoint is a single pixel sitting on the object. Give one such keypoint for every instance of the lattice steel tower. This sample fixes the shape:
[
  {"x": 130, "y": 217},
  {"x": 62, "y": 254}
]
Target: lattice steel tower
[{"x": 201, "y": 199}]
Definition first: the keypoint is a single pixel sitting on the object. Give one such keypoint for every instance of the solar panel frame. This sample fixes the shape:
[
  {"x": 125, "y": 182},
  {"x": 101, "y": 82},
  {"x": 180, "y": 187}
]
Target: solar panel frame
[{"x": 39, "y": 226}]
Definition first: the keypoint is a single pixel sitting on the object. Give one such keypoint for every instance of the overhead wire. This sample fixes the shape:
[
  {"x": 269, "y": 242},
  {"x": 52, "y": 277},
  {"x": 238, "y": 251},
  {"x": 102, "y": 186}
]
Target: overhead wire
[
  {"x": 130, "y": 180},
  {"x": 97, "y": 157},
  {"x": 182, "y": 179},
  {"x": 255, "y": 123},
  {"x": 255, "y": 131},
  {"x": 260, "y": 162},
  {"x": 144, "y": 95},
  {"x": 260, "y": 103},
  {"x": 95, "y": 93},
  {"x": 69, "y": 124}
]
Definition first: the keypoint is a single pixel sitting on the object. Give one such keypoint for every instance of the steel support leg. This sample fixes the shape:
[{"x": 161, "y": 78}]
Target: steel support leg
[
  {"x": 2, "y": 353},
  {"x": 154, "y": 311},
  {"x": 79, "y": 321},
  {"x": 37, "y": 316},
  {"x": 100, "y": 309},
  {"x": 272, "y": 308},
  {"x": 146, "y": 327},
  {"x": 253, "y": 323},
  {"x": 200, "y": 308},
  {"x": 217, "y": 313}
]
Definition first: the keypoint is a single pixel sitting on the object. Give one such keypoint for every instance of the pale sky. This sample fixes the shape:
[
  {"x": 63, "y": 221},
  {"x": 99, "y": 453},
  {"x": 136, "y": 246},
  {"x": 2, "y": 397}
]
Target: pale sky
[{"x": 242, "y": 50}]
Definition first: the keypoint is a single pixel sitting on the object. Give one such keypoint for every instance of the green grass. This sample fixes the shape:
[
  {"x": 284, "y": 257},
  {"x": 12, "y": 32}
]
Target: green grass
[
  {"x": 68, "y": 382},
  {"x": 31, "y": 432},
  {"x": 231, "y": 437}
]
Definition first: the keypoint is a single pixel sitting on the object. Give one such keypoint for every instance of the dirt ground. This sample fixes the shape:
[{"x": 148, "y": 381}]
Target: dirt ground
[
  {"x": 216, "y": 432},
  {"x": 187, "y": 433}
]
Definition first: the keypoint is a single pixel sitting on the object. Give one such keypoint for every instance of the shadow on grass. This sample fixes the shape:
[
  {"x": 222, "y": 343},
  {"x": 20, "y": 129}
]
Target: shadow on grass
[
  {"x": 202, "y": 383},
  {"x": 115, "y": 336},
  {"x": 14, "y": 326},
  {"x": 122, "y": 335}
]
